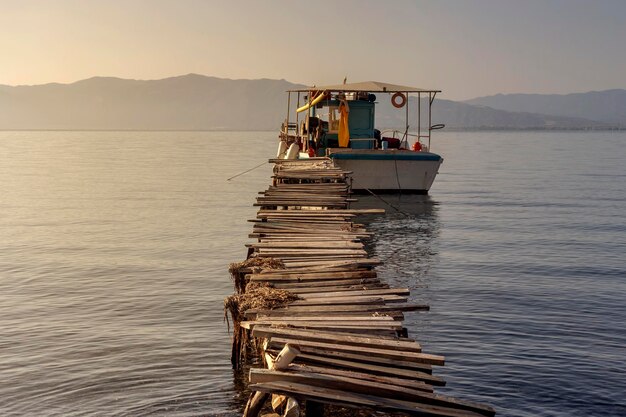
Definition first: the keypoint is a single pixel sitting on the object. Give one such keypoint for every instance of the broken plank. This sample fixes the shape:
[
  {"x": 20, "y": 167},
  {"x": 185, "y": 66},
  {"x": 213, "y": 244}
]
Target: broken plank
[
  {"x": 418, "y": 357},
  {"x": 356, "y": 340},
  {"x": 355, "y": 385},
  {"x": 389, "y": 380},
  {"x": 357, "y": 400}
]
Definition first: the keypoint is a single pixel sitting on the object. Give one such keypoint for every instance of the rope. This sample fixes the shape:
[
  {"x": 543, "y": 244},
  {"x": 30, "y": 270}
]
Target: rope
[
  {"x": 384, "y": 201},
  {"x": 395, "y": 163},
  {"x": 246, "y": 171}
]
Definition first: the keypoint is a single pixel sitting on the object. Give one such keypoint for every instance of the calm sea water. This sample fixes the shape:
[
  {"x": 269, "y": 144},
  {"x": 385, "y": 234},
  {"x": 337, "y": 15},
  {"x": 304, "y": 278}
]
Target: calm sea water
[{"x": 114, "y": 248}]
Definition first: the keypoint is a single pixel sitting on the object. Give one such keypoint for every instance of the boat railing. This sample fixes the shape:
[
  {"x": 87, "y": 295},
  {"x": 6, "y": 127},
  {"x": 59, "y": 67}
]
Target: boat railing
[
  {"x": 289, "y": 132},
  {"x": 403, "y": 135}
]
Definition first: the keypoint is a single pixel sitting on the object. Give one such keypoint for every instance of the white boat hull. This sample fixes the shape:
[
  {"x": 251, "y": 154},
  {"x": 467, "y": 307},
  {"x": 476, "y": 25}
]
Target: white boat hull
[{"x": 389, "y": 171}]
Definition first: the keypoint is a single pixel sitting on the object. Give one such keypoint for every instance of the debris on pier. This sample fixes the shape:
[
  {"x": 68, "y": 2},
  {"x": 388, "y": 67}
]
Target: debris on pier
[{"x": 309, "y": 303}]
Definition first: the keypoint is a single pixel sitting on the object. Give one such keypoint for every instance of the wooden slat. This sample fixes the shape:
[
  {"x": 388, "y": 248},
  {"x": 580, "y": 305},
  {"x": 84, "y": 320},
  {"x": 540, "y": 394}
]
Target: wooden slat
[
  {"x": 349, "y": 399},
  {"x": 389, "y": 380},
  {"x": 347, "y": 211},
  {"x": 417, "y": 357},
  {"x": 324, "y": 324},
  {"x": 377, "y": 308},
  {"x": 368, "y": 341},
  {"x": 276, "y": 275},
  {"x": 363, "y": 360},
  {"x": 332, "y": 283},
  {"x": 375, "y": 369},
  {"x": 322, "y": 312},
  {"x": 348, "y": 299},
  {"x": 367, "y": 292},
  {"x": 355, "y": 385},
  {"x": 336, "y": 288}
]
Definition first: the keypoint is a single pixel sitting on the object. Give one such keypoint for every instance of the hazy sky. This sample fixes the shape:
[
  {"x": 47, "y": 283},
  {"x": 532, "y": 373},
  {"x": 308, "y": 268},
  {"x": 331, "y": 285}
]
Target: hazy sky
[{"x": 467, "y": 48}]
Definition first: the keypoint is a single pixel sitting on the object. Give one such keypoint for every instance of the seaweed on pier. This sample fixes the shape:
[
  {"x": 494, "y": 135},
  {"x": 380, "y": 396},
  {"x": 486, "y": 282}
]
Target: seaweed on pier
[
  {"x": 257, "y": 296},
  {"x": 238, "y": 270}
]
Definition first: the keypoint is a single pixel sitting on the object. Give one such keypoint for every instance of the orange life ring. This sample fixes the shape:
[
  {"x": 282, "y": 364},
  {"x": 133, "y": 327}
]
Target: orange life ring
[{"x": 402, "y": 102}]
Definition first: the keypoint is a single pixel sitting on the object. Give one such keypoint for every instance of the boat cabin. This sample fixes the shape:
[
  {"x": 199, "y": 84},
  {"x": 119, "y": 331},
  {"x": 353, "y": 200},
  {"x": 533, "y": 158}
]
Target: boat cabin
[{"x": 329, "y": 119}]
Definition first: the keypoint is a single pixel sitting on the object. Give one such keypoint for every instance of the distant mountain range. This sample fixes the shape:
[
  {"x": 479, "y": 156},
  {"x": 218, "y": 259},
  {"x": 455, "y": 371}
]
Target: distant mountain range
[
  {"x": 603, "y": 106},
  {"x": 188, "y": 102},
  {"x": 197, "y": 102}
]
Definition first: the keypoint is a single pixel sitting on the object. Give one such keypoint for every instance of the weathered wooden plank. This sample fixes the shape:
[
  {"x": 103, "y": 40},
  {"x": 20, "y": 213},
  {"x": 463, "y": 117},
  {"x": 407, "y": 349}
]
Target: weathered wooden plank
[
  {"x": 301, "y": 203},
  {"x": 352, "y": 268},
  {"x": 324, "y": 324},
  {"x": 279, "y": 342},
  {"x": 259, "y": 233},
  {"x": 338, "y": 288},
  {"x": 331, "y": 309},
  {"x": 363, "y": 317},
  {"x": 333, "y": 337},
  {"x": 327, "y": 254},
  {"x": 375, "y": 308},
  {"x": 327, "y": 265},
  {"x": 306, "y": 251},
  {"x": 307, "y": 238},
  {"x": 334, "y": 283},
  {"x": 281, "y": 273},
  {"x": 321, "y": 312},
  {"x": 389, "y": 380},
  {"x": 304, "y": 194},
  {"x": 355, "y": 385},
  {"x": 363, "y": 359},
  {"x": 306, "y": 245},
  {"x": 306, "y": 299},
  {"x": 328, "y": 228},
  {"x": 343, "y": 398},
  {"x": 339, "y": 301},
  {"x": 303, "y": 228},
  {"x": 313, "y": 282},
  {"x": 418, "y": 375},
  {"x": 368, "y": 292},
  {"x": 346, "y": 211},
  {"x": 307, "y": 225}
]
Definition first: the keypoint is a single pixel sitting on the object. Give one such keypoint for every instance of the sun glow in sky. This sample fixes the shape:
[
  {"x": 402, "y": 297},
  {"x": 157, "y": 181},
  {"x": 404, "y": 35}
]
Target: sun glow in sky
[{"x": 467, "y": 48}]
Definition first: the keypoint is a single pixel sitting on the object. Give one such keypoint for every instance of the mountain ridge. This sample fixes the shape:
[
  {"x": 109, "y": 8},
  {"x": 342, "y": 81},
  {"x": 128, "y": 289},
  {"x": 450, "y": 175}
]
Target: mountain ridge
[
  {"x": 199, "y": 102},
  {"x": 608, "y": 106}
]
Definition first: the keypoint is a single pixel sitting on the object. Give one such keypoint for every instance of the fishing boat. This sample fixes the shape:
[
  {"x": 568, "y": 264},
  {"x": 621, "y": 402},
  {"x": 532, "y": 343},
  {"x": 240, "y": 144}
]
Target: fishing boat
[{"x": 338, "y": 121}]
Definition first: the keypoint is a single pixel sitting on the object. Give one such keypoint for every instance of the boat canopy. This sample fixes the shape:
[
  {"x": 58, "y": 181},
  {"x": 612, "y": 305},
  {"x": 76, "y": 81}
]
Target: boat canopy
[{"x": 368, "y": 87}]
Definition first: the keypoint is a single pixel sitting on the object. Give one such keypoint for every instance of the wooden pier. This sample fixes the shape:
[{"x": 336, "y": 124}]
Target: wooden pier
[{"x": 310, "y": 306}]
